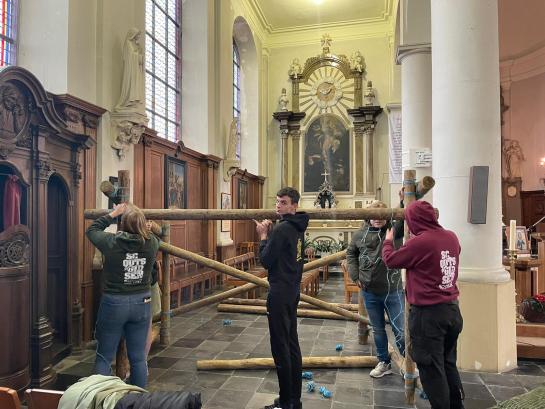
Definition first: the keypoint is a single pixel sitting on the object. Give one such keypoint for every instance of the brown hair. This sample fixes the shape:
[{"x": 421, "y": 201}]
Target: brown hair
[
  {"x": 376, "y": 204},
  {"x": 133, "y": 221}
]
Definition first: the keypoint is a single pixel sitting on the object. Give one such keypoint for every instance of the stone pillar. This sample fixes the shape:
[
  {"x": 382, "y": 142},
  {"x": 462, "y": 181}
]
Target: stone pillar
[
  {"x": 365, "y": 120},
  {"x": 466, "y": 132},
  {"x": 415, "y": 60},
  {"x": 295, "y": 135},
  {"x": 290, "y": 124}
]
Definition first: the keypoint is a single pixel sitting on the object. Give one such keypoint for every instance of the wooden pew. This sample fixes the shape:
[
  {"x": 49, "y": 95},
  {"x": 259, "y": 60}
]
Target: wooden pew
[
  {"x": 42, "y": 398},
  {"x": 9, "y": 399}
]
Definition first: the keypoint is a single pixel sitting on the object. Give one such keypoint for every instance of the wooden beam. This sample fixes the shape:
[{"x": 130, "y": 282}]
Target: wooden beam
[
  {"x": 216, "y": 265},
  {"x": 258, "y": 214},
  {"x": 213, "y": 299},
  {"x": 308, "y": 362},
  {"x": 261, "y": 310},
  {"x": 302, "y": 305}
]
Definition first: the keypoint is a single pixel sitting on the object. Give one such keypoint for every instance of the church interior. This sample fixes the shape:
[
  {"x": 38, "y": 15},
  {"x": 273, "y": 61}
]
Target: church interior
[{"x": 198, "y": 109}]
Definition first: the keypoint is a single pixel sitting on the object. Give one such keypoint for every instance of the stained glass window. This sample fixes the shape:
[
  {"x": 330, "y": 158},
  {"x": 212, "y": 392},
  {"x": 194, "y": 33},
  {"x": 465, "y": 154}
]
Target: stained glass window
[
  {"x": 236, "y": 90},
  {"x": 163, "y": 66},
  {"x": 8, "y": 32}
]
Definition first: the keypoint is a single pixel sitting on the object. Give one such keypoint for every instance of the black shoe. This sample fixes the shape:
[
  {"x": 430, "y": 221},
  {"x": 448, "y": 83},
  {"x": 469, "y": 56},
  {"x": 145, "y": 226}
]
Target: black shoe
[
  {"x": 273, "y": 406},
  {"x": 298, "y": 405}
]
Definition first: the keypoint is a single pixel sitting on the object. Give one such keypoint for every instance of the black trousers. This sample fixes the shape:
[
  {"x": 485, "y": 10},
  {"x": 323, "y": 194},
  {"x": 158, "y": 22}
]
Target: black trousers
[
  {"x": 282, "y": 314},
  {"x": 434, "y": 331}
]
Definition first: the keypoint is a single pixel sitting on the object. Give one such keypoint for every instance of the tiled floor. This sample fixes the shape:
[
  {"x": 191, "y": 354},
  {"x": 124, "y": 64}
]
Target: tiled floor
[{"x": 202, "y": 335}]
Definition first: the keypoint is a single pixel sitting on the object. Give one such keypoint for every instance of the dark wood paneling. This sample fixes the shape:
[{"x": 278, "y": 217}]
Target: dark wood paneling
[
  {"x": 244, "y": 230},
  {"x": 201, "y": 171},
  {"x": 533, "y": 208}
]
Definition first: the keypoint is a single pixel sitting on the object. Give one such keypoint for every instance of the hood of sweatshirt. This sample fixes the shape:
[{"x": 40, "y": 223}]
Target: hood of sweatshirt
[
  {"x": 299, "y": 220},
  {"x": 420, "y": 217},
  {"x": 129, "y": 241}
]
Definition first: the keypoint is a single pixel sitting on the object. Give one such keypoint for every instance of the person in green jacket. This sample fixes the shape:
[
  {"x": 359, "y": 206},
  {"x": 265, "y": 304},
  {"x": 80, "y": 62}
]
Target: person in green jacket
[
  {"x": 381, "y": 287},
  {"x": 125, "y": 307}
]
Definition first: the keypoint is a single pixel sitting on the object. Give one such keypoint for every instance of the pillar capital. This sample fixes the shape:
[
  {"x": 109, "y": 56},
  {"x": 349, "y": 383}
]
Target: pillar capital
[{"x": 404, "y": 50}]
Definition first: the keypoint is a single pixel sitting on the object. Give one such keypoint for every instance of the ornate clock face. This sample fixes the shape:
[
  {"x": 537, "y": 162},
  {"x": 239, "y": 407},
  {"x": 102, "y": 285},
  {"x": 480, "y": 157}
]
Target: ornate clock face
[
  {"x": 512, "y": 191},
  {"x": 327, "y": 91}
]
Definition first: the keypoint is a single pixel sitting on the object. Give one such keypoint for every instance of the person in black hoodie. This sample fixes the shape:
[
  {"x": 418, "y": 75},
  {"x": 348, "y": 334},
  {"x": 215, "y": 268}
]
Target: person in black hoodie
[
  {"x": 281, "y": 252},
  {"x": 125, "y": 307}
]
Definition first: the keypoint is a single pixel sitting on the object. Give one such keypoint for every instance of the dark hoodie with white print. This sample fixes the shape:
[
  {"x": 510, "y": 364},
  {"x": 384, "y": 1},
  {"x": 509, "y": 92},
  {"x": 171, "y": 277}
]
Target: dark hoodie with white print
[
  {"x": 282, "y": 254},
  {"x": 431, "y": 257},
  {"x": 128, "y": 258}
]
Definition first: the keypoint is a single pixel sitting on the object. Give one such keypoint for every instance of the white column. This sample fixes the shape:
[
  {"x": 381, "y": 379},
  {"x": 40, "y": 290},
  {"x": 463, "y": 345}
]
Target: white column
[
  {"x": 416, "y": 104},
  {"x": 466, "y": 128}
]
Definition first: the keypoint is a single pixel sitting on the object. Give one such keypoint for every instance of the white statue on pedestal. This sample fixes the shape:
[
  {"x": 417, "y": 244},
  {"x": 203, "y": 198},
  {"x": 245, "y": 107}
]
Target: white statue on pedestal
[
  {"x": 129, "y": 117},
  {"x": 132, "y": 89},
  {"x": 231, "y": 163},
  {"x": 356, "y": 62},
  {"x": 295, "y": 68},
  {"x": 283, "y": 101}
]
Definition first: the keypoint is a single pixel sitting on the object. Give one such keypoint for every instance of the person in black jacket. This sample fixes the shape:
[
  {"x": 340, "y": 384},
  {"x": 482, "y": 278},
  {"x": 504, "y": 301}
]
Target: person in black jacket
[
  {"x": 381, "y": 287},
  {"x": 281, "y": 252}
]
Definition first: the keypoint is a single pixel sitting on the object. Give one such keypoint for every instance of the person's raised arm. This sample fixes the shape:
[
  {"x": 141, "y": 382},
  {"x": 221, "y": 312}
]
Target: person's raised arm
[{"x": 95, "y": 232}]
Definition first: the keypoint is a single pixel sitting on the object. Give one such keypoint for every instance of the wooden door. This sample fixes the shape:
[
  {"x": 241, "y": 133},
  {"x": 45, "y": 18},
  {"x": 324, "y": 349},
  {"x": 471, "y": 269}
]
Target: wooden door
[{"x": 57, "y": 277}]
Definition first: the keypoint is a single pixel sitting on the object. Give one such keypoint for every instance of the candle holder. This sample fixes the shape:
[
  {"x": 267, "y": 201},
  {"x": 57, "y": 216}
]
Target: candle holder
[{"x": 512, "y": 256}]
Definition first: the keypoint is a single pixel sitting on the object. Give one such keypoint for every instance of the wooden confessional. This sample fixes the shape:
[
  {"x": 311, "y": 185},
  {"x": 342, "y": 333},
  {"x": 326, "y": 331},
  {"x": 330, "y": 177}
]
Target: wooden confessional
[{"x": 47, "y": 177}]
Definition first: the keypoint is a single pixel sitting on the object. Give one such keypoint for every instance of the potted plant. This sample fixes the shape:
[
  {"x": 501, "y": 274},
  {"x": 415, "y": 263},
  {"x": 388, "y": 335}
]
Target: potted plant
[{"x": 533, "y": 308}]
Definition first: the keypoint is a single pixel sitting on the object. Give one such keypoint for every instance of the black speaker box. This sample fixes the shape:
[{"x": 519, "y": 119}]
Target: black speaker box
[{"x": 478, "y": 194}]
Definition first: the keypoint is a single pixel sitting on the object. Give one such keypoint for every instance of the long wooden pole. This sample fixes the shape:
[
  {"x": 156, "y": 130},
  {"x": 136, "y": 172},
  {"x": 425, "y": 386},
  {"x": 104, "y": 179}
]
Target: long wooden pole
[
  {"x": 302, "y": 305},
  {"x": 216, "y": 265},
  {"x": 261, "y": 310},
  {"x": 213, "y": 299},
  {"x": 259, "y": 214},
  {"x": 165, "y": 297},
  {"x": 409, "y": 185},
  {"x": 308, "y": 362}
]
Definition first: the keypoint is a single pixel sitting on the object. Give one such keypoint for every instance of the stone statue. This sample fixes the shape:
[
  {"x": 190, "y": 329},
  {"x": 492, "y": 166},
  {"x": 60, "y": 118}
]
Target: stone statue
[
  {"x": 231, "y": 163},
  {"x": 356, "y": 62},
  {"x": 513, "y": 156},
  {"x": 295, "y": 68},
  {"x": 326, "y": 43},
  {"x": 233, "y": 140},
  {"x": 283, "y": 101},
  {"x": 369, "y": 94},
  {"x": 132, "y": 89}
]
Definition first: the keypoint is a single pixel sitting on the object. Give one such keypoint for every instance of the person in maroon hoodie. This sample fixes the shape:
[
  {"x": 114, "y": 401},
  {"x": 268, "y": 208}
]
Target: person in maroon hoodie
[{"x": 431, "y": 257}]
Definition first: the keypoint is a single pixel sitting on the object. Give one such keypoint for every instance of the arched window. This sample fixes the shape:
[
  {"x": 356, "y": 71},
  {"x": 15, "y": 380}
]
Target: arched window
[
  {"x": 163, "y": 66},
  {"x": 8, "y": 31},
  {"x": 236, "y": 90}
]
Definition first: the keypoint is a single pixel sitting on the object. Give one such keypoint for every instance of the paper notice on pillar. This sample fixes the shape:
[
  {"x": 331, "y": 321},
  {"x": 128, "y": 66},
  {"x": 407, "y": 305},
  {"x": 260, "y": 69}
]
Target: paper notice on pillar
[{"x": 394, "y": 122}]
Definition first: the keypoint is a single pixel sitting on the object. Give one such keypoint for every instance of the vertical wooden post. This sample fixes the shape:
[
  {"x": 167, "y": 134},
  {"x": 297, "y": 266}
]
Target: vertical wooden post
[
  {"x": 165, "y": 298},
  {"x": 121, "y": 358},
  {"x": 363, "y": 329},
  {"x": 409, "y": 184}
]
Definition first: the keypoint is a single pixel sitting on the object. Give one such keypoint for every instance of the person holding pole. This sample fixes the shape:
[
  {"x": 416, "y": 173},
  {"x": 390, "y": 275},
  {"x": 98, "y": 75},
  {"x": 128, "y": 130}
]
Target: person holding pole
[
  {"x": 381, "y": 287},
  {"x": 125, "y": 307},
  {"x": 281, "y": 252},
  {"x": 431, "y": 257}
]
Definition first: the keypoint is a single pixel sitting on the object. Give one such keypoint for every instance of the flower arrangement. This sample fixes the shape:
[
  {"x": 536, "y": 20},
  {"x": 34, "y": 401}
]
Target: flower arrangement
[{"x": 533, "y": 308}]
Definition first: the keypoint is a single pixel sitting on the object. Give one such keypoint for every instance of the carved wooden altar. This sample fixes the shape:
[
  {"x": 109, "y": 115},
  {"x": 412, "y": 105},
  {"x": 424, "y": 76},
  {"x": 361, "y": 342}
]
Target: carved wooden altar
[{"x": 44, "y": 146}]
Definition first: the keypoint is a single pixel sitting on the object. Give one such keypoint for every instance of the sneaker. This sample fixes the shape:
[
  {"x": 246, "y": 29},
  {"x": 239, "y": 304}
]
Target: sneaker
[
  {"x": 381, "y": 369},
  {"x": 273, "y": 406}
]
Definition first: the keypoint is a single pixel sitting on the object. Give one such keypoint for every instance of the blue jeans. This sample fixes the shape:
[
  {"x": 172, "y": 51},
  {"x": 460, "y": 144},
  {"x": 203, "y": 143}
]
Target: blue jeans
[
  {"x": 127, "y": 315},
  {"x": 392, "y": 304}
]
